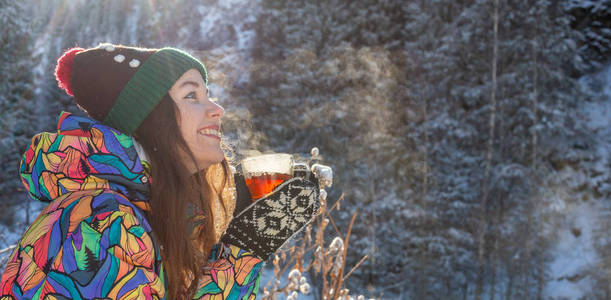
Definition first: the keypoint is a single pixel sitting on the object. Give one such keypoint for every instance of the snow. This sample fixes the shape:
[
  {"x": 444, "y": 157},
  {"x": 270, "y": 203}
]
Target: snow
[
  {"x": 599, "y": 113},
  {"x": 574, "y": 253},
  {"x": 594, "y": 5},
  {"x": 267, "y": 278},
  {"x": 9, "y": 236},
  {"x": 237, "y": 14},
  {"x": 598, "y": 119},
  {"x": 132, "y": 25},
  {"x": 245, "y": 36}
]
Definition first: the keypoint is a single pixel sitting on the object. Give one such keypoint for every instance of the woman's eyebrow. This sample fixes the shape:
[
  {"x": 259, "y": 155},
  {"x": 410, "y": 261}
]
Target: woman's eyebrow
[{"x": 189, "y": 83}]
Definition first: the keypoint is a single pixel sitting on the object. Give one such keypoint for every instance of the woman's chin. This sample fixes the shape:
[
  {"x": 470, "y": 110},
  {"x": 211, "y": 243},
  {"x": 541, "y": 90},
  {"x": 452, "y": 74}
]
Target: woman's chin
[{"x": 216, "y": 159}]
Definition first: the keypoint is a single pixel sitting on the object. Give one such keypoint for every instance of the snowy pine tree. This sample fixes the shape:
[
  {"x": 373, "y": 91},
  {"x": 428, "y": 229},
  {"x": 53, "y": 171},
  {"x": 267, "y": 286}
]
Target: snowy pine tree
[{"x": 17, "y": 124}]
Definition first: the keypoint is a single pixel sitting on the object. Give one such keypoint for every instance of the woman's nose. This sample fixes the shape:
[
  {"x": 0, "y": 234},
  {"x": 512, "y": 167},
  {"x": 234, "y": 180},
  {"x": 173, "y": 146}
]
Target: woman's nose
[{"x": 215, "y": 110}]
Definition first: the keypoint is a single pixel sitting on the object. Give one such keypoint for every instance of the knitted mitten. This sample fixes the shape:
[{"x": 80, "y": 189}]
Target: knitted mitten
[{"x": 264, "y": 226}]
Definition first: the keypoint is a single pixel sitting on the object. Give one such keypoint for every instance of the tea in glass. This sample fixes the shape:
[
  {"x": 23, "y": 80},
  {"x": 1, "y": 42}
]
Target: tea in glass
[{"x": 264, "y": 173}]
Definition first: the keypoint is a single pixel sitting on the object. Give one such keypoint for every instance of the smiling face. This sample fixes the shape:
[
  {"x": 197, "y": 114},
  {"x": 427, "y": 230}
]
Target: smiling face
[{"x": 199, "y": 120}]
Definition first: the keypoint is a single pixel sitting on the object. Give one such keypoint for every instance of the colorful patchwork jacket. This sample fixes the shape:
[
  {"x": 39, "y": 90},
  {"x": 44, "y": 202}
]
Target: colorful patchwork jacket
[{"x": 93, "y": 240}]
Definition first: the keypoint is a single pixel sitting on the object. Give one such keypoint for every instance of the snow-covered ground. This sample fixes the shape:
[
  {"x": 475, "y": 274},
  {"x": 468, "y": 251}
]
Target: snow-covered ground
[{"x": 574, "y": 253}]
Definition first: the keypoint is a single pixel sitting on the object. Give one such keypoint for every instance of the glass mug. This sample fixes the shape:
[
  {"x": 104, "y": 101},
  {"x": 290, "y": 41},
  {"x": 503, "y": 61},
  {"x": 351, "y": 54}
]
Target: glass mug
[{"x": 263, "y": 173}]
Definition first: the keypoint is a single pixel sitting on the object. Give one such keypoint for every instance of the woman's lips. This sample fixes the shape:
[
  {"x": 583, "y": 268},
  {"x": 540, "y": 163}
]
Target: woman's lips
[{"x": 211, "y": 131}]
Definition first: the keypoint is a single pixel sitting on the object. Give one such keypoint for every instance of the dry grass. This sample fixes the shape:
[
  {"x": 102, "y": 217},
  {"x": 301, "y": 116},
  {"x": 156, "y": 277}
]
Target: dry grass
[{"x": 325, "y": 264}]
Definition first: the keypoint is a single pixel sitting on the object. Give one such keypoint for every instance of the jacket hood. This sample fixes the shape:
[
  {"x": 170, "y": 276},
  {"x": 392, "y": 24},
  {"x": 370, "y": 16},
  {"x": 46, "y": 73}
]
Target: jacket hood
[{"x": 83, "y": 155}]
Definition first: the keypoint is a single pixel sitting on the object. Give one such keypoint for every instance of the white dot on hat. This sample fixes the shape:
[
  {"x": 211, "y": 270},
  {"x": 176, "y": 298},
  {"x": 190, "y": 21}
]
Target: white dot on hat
[
  {"x": 134, "y": 63},
  {"x": 107, "y": 46},
  {"x": 119, "y": 58}
]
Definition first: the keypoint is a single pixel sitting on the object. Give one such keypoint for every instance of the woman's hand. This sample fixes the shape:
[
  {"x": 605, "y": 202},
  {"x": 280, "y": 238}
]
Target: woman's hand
[{"x": 265, "y": 225}]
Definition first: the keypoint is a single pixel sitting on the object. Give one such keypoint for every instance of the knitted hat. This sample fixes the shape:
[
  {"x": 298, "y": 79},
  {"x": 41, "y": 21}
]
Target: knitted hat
[{"x": 120, "y": 86}]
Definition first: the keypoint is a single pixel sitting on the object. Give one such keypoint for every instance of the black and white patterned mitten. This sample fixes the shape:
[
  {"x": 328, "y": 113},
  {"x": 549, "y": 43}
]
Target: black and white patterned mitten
[{"x": 264, "y": 226}]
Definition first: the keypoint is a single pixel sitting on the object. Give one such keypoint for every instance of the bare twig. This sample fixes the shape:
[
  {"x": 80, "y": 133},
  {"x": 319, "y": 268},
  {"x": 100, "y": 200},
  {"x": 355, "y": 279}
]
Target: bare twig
[
  {"x": 333, "y": 224},
  {"x": 356, "y": 266},
  {"x": 7, "y": 249},
  {"x": 340, "y": 280}
]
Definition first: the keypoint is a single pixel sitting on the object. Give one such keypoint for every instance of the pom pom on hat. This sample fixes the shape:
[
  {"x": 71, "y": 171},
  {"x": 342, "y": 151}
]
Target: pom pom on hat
[{"x": 63, "y": 70}]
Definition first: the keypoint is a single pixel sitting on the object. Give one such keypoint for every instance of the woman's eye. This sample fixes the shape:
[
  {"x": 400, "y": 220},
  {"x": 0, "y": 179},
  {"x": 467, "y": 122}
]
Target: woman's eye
[{"x": 191, "y": 96}]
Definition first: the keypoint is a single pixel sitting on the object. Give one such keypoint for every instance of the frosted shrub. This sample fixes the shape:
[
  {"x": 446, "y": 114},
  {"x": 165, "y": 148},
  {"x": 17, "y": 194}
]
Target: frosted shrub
[{"x": 310, "y": 258}]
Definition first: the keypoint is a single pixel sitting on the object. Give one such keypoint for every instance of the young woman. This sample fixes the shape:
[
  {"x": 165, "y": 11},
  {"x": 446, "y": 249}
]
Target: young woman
[{"x": 141, "y": 197}]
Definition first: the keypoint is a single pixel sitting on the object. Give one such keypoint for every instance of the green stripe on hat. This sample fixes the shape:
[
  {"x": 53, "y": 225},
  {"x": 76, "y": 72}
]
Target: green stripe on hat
[{"x": 147, "y": 87}]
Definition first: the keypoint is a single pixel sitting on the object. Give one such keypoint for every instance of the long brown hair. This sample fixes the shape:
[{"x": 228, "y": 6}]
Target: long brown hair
[{"x": 173, "y": 188}]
